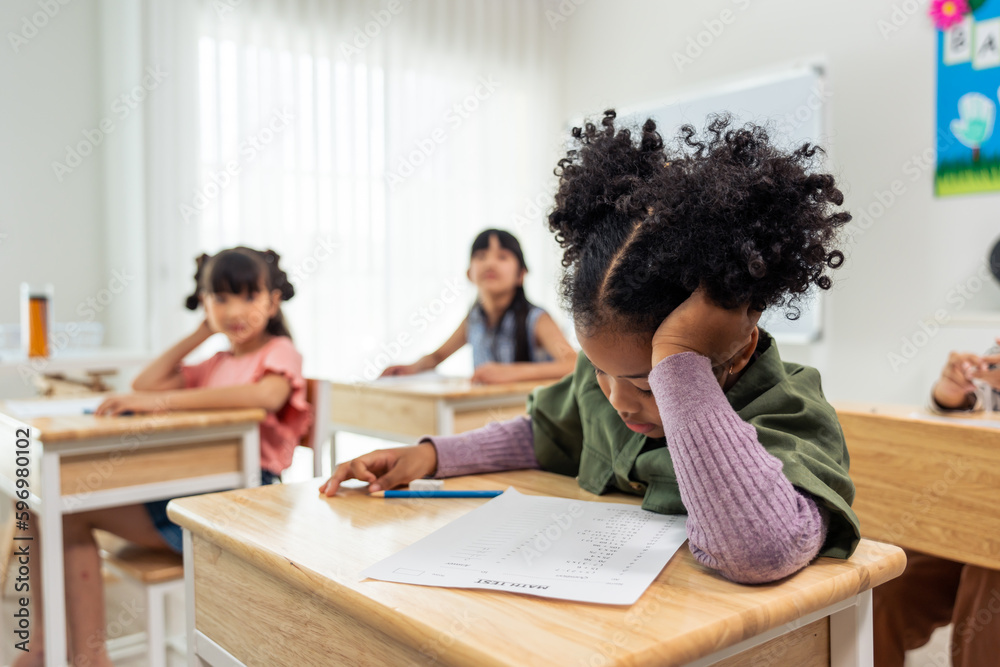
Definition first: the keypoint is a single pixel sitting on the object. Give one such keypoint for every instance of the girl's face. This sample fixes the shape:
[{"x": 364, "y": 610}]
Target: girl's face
[
  {"x": 622, "y": 365},
  {"x": 495, "y": 269},
  {"x": 241, "y": 317}
]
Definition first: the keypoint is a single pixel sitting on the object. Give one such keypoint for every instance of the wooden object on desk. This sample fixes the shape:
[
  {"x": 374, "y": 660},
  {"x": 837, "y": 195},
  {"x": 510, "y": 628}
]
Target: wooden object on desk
[
  {"x": 301, "y": 554},
  {"x": 928, "y": 483},
  {"x": 83, "y": 462}
]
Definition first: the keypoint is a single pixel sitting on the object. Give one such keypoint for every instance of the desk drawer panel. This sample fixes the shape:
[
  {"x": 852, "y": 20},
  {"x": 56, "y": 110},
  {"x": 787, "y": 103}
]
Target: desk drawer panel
[
  {"x": 145, "y": 465},
  {"x": 262, "y": 620},
  {"x": 404, "y": 415},
  {"x": 929, "y": 486},
  {"x": 469, "y": 420},
  {"x": 808, "y": 646}
]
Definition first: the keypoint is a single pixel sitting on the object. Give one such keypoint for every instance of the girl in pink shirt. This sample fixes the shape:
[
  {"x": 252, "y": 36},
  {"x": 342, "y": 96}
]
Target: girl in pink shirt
[{"x": 241, "y": 290}]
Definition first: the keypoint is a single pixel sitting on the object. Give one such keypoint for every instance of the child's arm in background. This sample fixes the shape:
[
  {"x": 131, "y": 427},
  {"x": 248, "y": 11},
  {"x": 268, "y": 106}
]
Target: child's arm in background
[
  {"x": 552, "y": 340},
  {"x": 271, "y": 393},
  {"x": 430, "y": 361},
  {"x": 165, "y": 372},
  {"x": 954, "y": 390}
]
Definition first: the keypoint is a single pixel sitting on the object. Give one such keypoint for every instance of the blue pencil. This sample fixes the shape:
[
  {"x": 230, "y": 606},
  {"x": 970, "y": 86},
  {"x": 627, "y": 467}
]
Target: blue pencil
[{"x": 436, "y": 494}]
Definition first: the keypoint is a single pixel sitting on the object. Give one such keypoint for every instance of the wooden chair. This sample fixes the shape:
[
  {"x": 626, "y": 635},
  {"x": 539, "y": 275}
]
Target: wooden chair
[
  {"x": 160, "y": 576},
  {"x": 318, "y": 395},
  {"x": 161, "y": 573}
]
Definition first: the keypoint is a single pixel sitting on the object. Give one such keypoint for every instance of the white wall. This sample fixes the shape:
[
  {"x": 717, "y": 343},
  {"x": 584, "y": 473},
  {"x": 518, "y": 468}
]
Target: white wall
[
  {"x": 911, "y": 260},
  {"x": 51, "y": 95}
]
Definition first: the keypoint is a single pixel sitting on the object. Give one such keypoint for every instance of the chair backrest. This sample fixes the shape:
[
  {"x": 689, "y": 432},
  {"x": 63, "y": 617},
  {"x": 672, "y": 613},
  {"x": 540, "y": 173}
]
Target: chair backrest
[{"x": 318, "y": 395}]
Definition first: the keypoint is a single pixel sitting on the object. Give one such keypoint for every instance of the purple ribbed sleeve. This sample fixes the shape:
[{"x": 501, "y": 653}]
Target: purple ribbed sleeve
[
  {"x": 506, "y": 445},
  {"x": 745, "y": 519}
]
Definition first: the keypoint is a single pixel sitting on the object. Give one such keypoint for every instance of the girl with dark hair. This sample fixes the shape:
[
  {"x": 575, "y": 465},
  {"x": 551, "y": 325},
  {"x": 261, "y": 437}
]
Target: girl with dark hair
[
  {"x": 672, "y": 252},
  {"x": 512, "y": 339},
  {"x": 241, "y": 290}
]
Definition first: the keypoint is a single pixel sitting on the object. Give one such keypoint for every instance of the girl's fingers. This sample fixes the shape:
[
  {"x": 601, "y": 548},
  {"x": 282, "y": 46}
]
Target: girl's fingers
[{"x": 342, "y": 473}]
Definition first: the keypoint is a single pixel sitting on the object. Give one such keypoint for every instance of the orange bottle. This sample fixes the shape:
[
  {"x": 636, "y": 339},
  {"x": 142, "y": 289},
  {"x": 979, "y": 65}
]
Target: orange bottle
[{"x": 36, "y": 319}]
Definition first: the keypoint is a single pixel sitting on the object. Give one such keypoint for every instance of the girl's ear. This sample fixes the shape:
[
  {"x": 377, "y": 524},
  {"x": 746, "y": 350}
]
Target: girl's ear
[
  {"x": 468, "y": 274},
  {"x": 742, "y": 358}
]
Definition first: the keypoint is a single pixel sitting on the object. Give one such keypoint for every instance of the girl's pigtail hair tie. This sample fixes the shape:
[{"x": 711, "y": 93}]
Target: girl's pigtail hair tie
[
  {"x": 192, "y": 302},
  {"x": 279, "y": 279}
]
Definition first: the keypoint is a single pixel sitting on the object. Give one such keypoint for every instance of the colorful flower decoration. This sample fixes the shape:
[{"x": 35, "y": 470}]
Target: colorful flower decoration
[{"x": 947, "y": 13}]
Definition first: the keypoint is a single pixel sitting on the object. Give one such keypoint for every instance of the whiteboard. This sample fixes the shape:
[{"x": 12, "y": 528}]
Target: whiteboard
[{"x": 793, "y": 105}]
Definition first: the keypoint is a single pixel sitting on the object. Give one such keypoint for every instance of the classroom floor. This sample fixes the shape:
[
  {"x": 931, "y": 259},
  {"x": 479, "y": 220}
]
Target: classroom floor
[{"x": 121, "y": 596}]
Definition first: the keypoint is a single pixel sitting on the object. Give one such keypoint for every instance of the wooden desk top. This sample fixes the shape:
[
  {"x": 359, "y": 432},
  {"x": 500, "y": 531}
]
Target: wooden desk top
[
  {"x": 86, "y": 427},
  {"x": 907, "y": 412},
  {"x": 447, "y": 388},
  {"x": 319, "y": 545}
]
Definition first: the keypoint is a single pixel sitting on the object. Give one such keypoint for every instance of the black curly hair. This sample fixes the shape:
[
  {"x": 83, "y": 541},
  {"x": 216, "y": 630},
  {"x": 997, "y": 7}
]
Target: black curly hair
[
  {"x": 238, "y": 270},
  {"x": 644, "y": 224}
]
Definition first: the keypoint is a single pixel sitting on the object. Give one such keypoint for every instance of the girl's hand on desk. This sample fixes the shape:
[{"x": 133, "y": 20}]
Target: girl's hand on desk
[
  {"x": 137, "y": 402},
  {"x": 385, "y": 468},
  {"x": 407, "y": 369},
  {"x": 494, "y": 373}
]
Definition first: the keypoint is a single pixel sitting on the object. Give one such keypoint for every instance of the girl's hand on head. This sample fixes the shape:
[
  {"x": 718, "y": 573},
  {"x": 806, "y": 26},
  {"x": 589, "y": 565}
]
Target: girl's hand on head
[
  {"x": 137, "y": 402},
  {"x": 494, "y": 373},
  {"x": 701, "y": 325},
  {"x": 955, "y": 384},
  {"x": 385, "y": 468}
]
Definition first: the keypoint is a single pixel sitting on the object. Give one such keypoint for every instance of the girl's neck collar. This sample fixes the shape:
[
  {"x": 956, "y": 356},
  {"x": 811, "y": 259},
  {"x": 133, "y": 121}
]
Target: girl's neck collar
[
  {"x": 251, "y": 346},
  {"x": 494, "y": 307}
]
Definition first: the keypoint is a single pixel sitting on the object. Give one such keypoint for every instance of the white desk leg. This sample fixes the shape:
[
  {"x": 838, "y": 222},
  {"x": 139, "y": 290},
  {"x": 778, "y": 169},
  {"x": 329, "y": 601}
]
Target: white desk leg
[
  {"x": 851, "y": 643},
  {"x": 251, "y": 457},
  {"x": 53, "y": 583},
  {"x": 194, "y": 660},
  {"x": 445, "y": 417}
]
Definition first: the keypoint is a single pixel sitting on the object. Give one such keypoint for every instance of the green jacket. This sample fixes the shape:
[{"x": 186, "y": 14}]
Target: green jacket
[{"x": 578, "y": 433}]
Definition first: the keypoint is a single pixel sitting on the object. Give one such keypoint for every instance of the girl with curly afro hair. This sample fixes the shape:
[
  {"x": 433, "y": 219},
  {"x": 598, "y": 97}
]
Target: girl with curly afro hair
[{"x": 671, "y": 253}]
